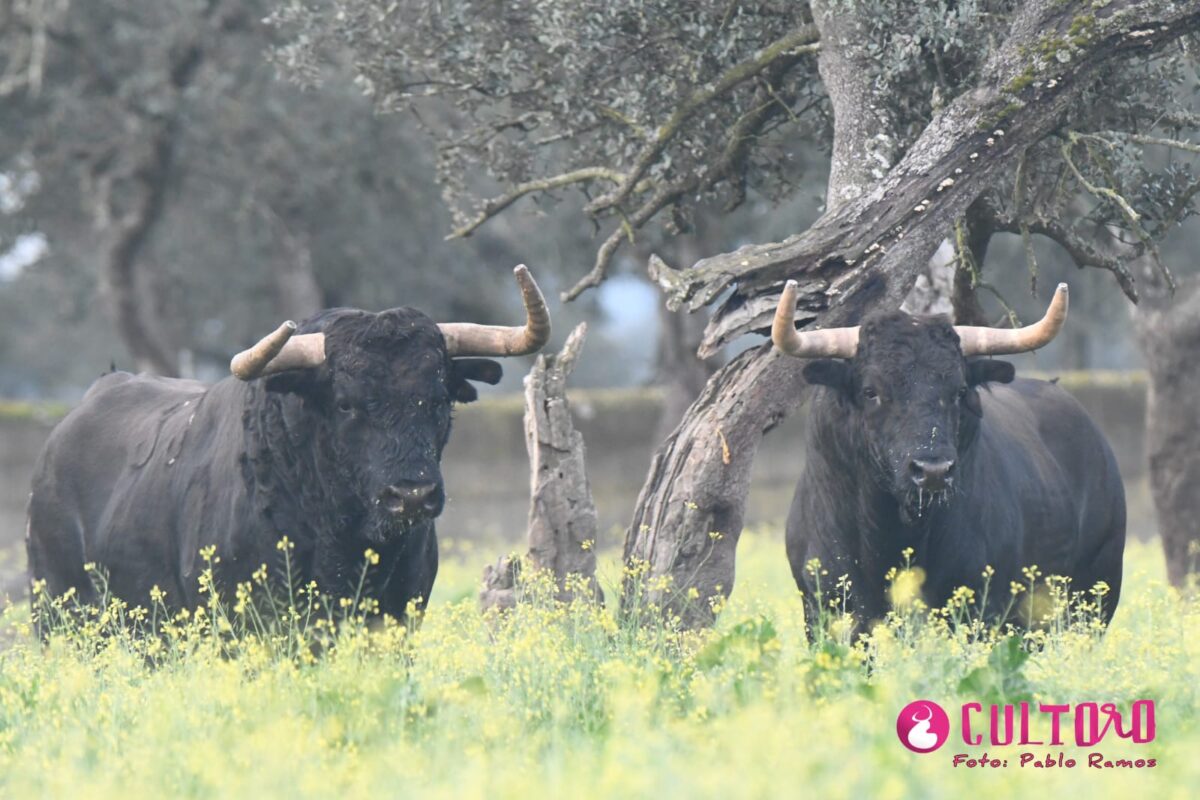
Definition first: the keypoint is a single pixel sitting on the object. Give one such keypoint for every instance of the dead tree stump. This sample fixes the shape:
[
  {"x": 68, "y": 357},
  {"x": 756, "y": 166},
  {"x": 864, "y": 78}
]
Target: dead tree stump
[{"x": 562, "y": 516}]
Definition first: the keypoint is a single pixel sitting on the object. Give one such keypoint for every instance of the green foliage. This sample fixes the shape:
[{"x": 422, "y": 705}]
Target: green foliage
[
  {"x": 554, "y": 699},
  {"x": 1001, "y": 681},
  {"x": 537, "y": 88}
]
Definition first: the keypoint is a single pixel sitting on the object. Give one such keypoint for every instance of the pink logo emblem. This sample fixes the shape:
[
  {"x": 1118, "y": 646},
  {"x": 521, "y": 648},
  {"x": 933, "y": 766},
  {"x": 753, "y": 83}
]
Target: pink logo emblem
[{"x": 922, "y": 726}]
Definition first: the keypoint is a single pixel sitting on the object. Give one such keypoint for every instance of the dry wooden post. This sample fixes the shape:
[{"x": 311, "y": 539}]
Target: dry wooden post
[{"x": 562, "y": 516}]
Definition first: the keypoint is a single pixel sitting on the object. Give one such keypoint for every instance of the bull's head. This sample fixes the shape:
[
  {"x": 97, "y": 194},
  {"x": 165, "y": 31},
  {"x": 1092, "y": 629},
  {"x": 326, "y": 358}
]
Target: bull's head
[
  {"x": 909, "y": 386},
  {"x": 379, "y": 388}
]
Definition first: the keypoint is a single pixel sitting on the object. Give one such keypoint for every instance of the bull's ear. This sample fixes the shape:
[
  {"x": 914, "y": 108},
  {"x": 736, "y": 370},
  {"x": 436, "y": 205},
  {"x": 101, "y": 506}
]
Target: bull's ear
[
  {"x": 483, "y": 370},
  {"x": 462, "y": 370},
  {"x": 829, "y": 372},
  {"x": 986, "y": 370}
]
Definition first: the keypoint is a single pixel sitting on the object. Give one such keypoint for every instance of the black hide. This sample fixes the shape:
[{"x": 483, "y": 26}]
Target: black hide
[
  {"x": 147, "y": 471},
  {"x": 1030, "y": 481}
]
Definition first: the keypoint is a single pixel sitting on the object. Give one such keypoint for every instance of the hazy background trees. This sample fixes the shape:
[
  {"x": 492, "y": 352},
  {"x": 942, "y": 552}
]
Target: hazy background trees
[
  {"x": 166, "y": 199},
  {"x": 248, "y": 197}
]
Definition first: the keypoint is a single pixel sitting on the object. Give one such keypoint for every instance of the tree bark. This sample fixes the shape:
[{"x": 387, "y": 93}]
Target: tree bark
[
  {"x": 562, "y": 516},
  {"x": 132, "y": 194},
  {"x": 977, "y": 235},
  {"x": 864, "y": 143},
  {"x": 679, "y": 372},
  {"x": 150, "y": 175},
  {"x": 862, "y": 253},
  {"x": 1168, "y": 332}
]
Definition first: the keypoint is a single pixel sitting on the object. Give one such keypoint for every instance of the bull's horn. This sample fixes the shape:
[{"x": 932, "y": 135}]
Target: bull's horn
[
  {"x": 279, "y": 350},
  {"x": 1004, "y": 341},
  {"x": 469, "y": 339},
  {"x": 828, "y": 343}
]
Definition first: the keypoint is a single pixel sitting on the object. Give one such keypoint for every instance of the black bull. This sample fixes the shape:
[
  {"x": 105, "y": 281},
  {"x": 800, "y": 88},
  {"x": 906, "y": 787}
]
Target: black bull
[
  {"x": 913, "y": 445},
  {"x": 332, "y": 439}
]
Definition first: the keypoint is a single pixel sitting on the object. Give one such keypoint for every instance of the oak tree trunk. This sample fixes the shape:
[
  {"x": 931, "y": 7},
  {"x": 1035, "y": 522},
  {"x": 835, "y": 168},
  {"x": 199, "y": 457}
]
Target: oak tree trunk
[
  {"x": 122, "y": 259},
  {"x": 1169, "y": 336},
  {"x": 130, "y": 196}
]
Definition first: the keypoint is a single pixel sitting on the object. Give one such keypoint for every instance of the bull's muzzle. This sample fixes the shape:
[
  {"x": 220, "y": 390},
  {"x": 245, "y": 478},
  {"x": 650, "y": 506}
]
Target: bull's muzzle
[
  {"x": 932, "y": 475},
  {"x": 413, "y": 500}
]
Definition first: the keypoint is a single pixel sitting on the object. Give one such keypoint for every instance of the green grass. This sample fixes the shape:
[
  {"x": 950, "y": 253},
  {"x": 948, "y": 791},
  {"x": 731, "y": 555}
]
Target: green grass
[
  {"x": 554, "y": 701},
  {"x": 43, "y": 412}
]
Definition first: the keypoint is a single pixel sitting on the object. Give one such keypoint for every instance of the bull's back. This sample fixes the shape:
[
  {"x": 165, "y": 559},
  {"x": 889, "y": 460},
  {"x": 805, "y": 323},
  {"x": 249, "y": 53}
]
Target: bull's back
[{"x": 91, "y": 463}]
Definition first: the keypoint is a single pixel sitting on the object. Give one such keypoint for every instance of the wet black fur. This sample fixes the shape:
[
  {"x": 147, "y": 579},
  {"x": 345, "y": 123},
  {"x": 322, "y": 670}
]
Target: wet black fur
[
  {"x": 147, "y": 470},
  {"x": 1034, "y": 480}
]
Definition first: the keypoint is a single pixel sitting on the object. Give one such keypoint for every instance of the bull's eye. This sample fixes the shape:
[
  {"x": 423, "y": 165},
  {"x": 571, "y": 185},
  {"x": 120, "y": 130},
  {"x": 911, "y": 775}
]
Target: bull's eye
[
  {"x": 344, "y": 406},
  {"x": 870, "y": 393}
]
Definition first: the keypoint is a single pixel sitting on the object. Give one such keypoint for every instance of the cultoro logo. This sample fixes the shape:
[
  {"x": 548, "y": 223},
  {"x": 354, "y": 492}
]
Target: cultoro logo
[{"x": 922, "y": 726}]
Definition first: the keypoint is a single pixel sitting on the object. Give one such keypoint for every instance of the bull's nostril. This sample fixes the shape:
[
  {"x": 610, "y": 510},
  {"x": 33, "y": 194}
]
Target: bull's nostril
[
  {"x": 412, "y": 498},
  {"x": 931, "y": 474}
]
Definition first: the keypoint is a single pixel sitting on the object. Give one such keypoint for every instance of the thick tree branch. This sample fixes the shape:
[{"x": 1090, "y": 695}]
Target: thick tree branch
[
  {"x": 1081, "y": 251},
  {"x": 1132, "y": 218}
]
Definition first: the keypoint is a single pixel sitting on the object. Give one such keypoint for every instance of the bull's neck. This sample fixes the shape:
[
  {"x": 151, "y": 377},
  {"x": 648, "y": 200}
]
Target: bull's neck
[
  {"x": 293, "y": 483},
  {"x": 285, "y": 467}
]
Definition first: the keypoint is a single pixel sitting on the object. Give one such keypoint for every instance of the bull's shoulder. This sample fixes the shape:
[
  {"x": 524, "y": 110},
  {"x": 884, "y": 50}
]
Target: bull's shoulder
[
  {"x": 1044, "y": 402},
  {"x": 1043, "y": 417}
]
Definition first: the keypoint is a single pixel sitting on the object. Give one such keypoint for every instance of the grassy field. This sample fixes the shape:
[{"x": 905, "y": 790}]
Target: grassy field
[{"x": 555, "y": 701}]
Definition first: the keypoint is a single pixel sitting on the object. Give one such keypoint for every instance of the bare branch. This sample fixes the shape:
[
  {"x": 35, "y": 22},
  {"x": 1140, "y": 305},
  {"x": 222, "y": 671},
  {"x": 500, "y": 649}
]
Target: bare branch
[
  {"x": 1132, "y": 218},
  {"x": 604, "y": 256},
  {"x": 497, "y": 204},
  {"x": 1173, "y": 143},
  {"x": 1081, "y": 251},
  {"x": 723, "y": 168}
]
